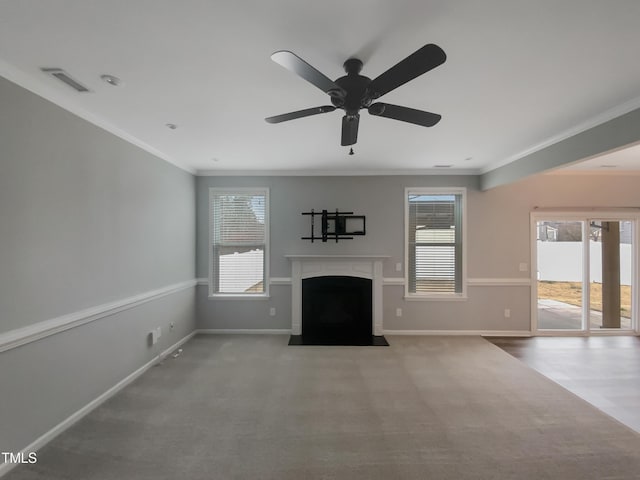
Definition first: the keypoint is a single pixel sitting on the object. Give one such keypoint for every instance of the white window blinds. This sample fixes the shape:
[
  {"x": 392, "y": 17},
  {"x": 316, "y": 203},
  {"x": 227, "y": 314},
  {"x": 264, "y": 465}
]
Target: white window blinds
[
  {"x": 434, "y": 242},
  {"x": 239, "y": 237}
]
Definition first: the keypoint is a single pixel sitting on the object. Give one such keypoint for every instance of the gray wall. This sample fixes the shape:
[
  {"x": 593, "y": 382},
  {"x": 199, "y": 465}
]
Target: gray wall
[
  {"x": 86, "y": 219},
  {"x": 497, "y": 242}
]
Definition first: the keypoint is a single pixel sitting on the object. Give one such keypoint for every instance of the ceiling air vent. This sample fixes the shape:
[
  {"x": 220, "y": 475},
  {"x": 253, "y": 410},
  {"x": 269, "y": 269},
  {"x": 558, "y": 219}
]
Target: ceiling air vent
[{"x": 63, "y": 76}]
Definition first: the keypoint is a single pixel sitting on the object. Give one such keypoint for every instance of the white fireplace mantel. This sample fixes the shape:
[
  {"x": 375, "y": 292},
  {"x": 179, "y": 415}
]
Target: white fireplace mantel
[{"x": 308, "y": 266}]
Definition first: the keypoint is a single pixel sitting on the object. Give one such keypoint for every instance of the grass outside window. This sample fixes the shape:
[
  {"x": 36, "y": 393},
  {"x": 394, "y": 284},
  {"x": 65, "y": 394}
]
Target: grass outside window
[{"x": 571, "y": 293}]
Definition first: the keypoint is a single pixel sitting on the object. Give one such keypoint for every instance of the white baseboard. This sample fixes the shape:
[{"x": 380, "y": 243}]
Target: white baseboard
[
  {"x": 244, "y": 331},
  {"x": 73, "y": 418},
  {"x": 482, "y": 333},
  {"x": 285, "y": 331}
]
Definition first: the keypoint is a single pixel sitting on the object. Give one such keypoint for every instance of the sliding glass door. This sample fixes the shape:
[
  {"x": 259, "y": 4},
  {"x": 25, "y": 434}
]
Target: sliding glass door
[
  {"x": 584, "y": 274},
  {"x": 560, "y": 273}
]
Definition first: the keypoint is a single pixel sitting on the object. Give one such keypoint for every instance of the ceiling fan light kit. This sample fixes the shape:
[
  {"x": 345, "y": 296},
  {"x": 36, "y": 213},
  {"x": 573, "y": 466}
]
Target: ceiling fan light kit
[{"x": 354, "y": 92}]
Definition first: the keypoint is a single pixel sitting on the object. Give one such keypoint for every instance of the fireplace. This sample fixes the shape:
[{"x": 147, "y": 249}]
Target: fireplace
[
  {"x": 336, "y": 309},
  {"x": 336, "y": 299}
]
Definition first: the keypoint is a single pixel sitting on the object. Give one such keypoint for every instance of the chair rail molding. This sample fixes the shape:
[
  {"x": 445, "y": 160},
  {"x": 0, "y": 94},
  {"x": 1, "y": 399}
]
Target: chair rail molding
[
  {"x": 499, "y": 282},
  {"x": 37, "y": 331}
]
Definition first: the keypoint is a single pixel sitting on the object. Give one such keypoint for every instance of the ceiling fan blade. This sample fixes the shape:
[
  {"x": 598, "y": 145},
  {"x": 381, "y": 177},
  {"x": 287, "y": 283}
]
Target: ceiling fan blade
[
  {"x": 419, "y": 62},
  {"x": 404, "y": 114},
  {"x": 300, "y": 114},
  {"x": 295, "y": 64},
  {"x": 350, "y": 129}
]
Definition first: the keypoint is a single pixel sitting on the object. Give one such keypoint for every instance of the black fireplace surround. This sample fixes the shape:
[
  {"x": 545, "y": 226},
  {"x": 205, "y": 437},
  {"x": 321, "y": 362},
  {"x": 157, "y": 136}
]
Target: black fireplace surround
[{"x": 336, "y": 310}]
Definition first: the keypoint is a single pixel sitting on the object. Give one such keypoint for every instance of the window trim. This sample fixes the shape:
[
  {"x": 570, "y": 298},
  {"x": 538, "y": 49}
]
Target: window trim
[
  {"x": 456, "y": 296},
  {"x": 267, "y": 221}
]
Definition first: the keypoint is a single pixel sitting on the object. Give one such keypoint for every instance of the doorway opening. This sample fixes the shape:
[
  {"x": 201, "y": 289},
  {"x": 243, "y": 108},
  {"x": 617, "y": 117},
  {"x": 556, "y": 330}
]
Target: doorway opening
[{"x": 585, "y": 274}]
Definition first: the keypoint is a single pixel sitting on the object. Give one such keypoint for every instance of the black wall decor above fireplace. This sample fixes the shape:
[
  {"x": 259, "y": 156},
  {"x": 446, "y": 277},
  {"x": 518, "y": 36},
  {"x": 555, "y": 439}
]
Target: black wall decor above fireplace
[{"x": 337, "y": 310}]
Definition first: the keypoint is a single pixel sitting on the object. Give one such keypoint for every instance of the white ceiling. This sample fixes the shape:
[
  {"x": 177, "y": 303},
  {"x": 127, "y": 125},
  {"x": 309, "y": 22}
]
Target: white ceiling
[
  {"x": 519, "y": 75},
  {"x": 626, "y": 160}
]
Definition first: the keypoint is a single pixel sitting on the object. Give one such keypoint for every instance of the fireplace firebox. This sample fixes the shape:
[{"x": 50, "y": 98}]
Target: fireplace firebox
[{"x": 336, "y": 309}]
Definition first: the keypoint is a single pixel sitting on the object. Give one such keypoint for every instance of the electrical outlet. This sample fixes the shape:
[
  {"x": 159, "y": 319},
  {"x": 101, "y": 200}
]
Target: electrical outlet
[
  {"x": 171, "y": 325},
  {"x": 523, "y": 267},
  {"x": 272, "y": 311},
  {"x": 398, "y": 267},
  {"x": 507, "y": 313},
  {"x": 154, "y": 335},
  {"x": 398, "y": 312}
]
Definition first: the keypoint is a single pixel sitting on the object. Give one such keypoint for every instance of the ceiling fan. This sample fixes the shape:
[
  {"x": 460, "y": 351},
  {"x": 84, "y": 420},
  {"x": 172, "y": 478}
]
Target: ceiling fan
[{"x": 353, "y": 91}]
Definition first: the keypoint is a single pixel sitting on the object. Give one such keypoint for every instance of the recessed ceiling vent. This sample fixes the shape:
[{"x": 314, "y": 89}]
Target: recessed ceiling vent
[{"x": 63, "y": 76}]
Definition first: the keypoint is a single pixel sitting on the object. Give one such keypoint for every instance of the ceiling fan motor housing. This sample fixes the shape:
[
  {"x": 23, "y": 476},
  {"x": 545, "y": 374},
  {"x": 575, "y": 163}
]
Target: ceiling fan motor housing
[{"x": 355, "y": 85}]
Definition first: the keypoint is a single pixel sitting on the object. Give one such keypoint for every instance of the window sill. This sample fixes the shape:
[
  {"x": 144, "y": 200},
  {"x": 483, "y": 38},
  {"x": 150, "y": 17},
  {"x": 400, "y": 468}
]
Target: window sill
[
  {"x": 240, "y": 296},
  {"x": 462, "y": 297}
]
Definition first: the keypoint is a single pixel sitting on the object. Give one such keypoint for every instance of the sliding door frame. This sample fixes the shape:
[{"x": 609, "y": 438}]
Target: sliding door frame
[{"x": 585, "y": 216}]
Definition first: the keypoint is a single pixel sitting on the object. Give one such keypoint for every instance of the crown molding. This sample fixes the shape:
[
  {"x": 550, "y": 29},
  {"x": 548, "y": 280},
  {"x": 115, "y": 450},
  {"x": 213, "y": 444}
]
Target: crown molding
[{"x": 336, "y": 173}]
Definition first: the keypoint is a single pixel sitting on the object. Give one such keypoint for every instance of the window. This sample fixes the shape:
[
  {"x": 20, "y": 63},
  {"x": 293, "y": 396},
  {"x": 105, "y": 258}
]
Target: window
[
  {"x": 239, "y": 242},
  {"x": 434, "y": 242}
]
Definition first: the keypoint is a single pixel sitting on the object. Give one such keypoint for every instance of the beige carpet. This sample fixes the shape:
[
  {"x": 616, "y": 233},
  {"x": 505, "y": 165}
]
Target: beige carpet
[{"x": 251, "y": 407}]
